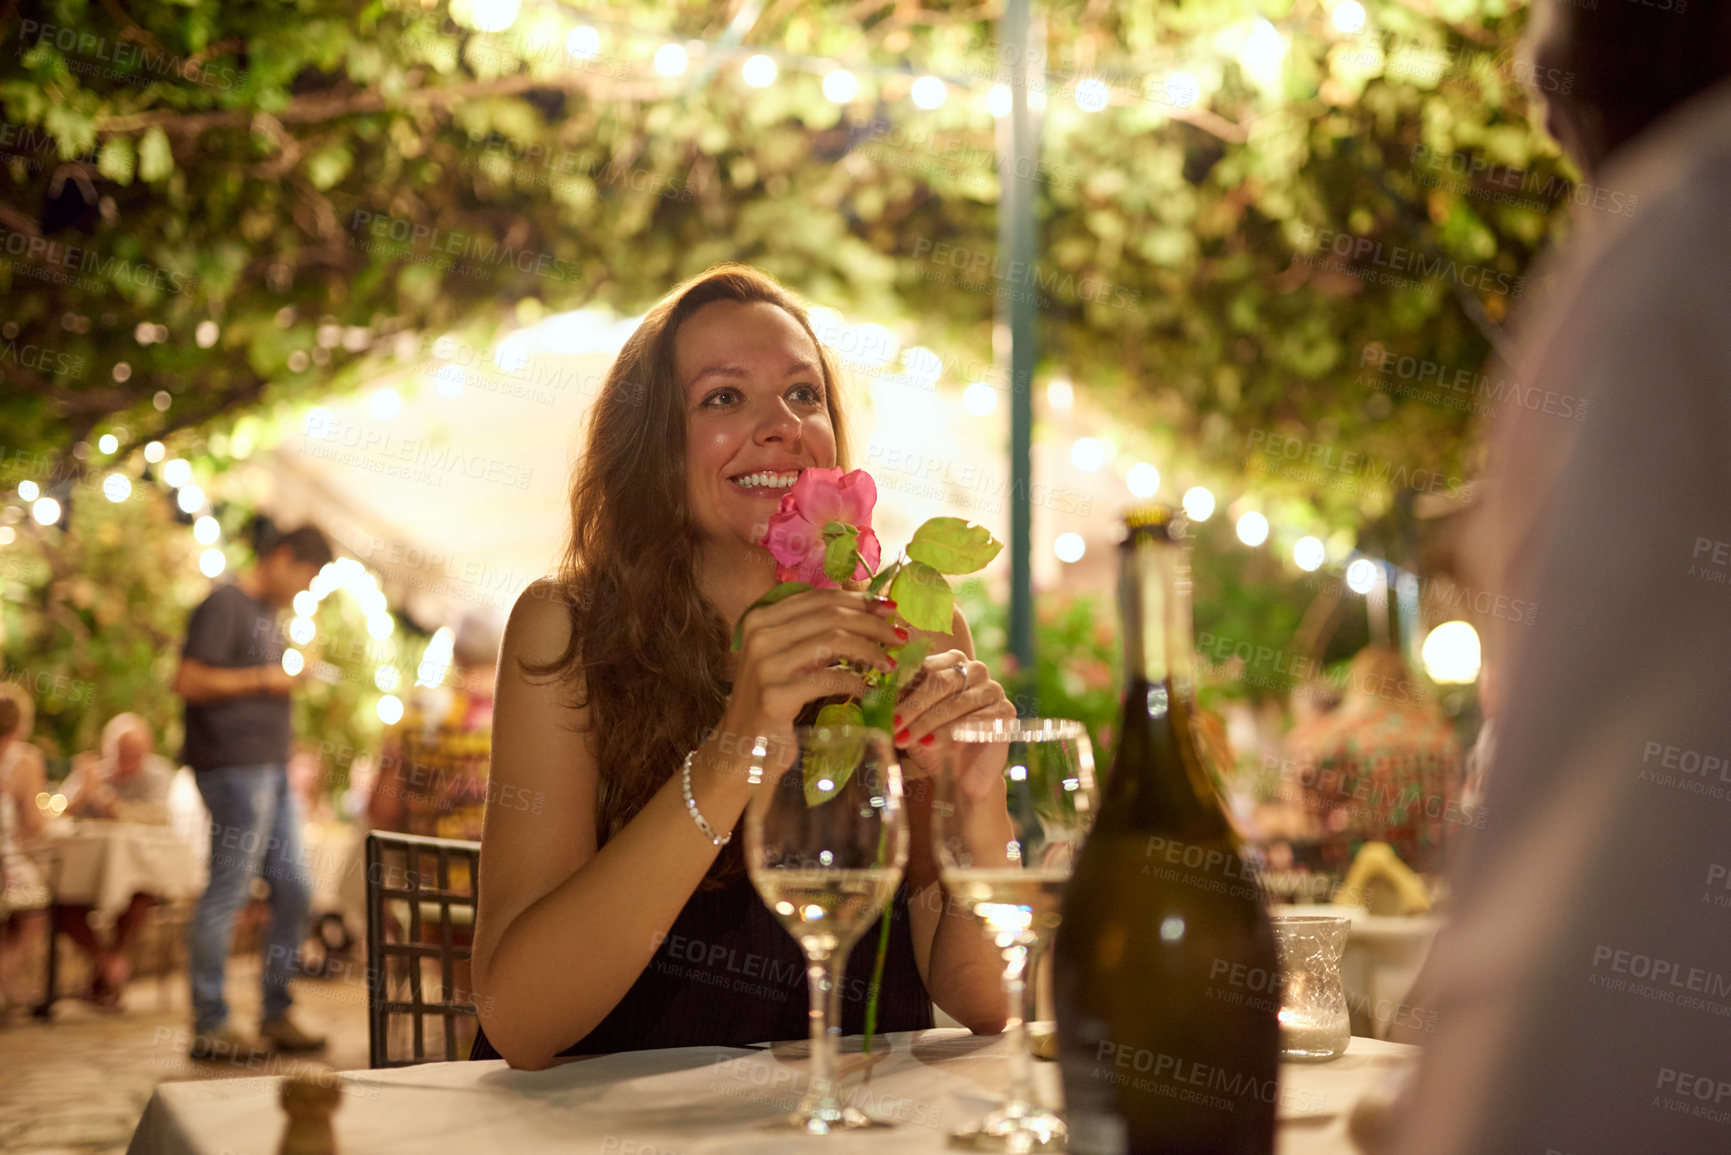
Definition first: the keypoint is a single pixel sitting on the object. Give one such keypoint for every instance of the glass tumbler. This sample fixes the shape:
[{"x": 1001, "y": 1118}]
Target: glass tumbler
[{"x": 1314, "y": 1026}]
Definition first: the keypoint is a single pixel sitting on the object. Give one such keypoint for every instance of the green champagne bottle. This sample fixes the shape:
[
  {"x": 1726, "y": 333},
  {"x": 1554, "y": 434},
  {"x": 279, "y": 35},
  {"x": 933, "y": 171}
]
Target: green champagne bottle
[{"x": 1165, "y": 971}]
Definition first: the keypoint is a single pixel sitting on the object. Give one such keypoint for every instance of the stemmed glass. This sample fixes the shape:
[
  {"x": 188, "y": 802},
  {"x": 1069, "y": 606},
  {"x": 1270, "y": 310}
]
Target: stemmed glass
[
  {"x": 825, "y": 842},
  {"x": 1016, "y": 800}
]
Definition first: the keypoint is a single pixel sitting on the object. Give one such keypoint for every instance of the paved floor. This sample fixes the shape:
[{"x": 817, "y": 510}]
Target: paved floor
[{"x": 79, "y": 1083}]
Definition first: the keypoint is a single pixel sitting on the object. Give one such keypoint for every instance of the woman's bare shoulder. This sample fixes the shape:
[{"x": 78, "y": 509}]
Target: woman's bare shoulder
[{"x": 538, "y": 631}]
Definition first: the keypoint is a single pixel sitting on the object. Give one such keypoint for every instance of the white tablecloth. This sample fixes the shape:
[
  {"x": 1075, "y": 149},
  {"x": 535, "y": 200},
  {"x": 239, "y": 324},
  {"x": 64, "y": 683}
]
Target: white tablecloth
[
  {"x": 102, "y": 864},
  {"x": 690, "y": 1101}
]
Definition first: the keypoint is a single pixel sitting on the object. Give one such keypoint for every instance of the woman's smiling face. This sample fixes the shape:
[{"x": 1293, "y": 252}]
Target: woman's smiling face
[{"x": 756, "y": 413}]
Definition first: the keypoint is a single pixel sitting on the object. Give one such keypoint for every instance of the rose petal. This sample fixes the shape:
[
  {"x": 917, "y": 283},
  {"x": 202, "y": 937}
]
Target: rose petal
[
  {"x": 818, "y": 495},
  {"x": 859, "y": 494}
]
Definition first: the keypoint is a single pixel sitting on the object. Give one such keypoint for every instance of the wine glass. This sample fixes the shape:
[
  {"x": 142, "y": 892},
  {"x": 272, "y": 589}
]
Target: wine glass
[
  {"x": 1016, "y": 798},
  {"x": 825, "y": 842}
]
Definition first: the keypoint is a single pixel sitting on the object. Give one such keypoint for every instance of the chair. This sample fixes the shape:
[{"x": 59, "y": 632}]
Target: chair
[{"x": 421, "y": 897}]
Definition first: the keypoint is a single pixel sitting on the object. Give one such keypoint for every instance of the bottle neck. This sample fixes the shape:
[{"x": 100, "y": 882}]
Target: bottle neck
[
  {"x": 1154, "y": 592},
  {"x": 1158, "y": 772}
]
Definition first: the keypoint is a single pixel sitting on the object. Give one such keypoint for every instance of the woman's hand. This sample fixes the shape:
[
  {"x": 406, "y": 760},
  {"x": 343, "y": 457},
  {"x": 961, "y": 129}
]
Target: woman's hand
[
  {"x": 952, "y": 687},
  {"x": 788, "y": 656}
]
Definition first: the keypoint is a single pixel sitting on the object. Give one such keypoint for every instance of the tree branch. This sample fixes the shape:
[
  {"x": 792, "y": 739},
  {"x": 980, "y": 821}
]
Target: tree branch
[{"x": 324, "y": 106}]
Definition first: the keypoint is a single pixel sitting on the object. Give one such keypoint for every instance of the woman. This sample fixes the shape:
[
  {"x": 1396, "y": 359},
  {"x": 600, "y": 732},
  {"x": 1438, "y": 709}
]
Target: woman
[
  {"x": 608, "y": 920},
  {"x": 23, "y": 892}
]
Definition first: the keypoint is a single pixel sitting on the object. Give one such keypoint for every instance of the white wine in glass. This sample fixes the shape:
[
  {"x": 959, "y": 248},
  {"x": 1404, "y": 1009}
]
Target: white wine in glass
[
  {"x": 1016, "y": 799},
  {"x": 825, "y": 843}
]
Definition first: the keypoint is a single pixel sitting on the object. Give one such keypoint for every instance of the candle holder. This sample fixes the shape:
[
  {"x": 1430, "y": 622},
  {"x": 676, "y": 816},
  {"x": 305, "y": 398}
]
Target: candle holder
[{"x": 1314, "y": 1026}]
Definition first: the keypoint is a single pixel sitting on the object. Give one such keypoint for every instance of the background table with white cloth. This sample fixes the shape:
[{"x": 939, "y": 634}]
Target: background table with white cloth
[
  {"x": 687, "y": 1101},
  {"x": 103, "y": 864}
]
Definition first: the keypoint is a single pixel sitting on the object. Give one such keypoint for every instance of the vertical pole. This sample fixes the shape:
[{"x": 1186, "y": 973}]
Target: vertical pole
[{"x": 1018, "y": 147}]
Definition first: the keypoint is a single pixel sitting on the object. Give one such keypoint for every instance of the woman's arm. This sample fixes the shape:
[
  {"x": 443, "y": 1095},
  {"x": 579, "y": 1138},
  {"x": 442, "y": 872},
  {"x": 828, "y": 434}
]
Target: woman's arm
[
  {"x": 564, "y": 928},
  {"x": 962, "y": 969},
  {"x": 29, "y": 777}
]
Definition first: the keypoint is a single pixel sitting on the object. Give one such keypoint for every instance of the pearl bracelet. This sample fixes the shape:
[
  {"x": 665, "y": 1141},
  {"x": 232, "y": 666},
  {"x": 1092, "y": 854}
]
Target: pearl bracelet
[{"x": 697, "y": 815}]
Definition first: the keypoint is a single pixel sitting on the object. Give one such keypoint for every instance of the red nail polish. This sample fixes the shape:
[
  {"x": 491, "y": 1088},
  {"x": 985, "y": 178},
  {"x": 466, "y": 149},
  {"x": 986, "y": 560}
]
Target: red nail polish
[
  {"x": 902, "y": 735},
  {"x": 901, "y": 634},
  {"x": 898, "y": 722},
  {"x": 928, "y": 739}
]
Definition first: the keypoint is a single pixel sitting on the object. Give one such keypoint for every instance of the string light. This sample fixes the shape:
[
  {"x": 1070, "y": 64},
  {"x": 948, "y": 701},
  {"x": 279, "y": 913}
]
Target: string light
[
  {"x": 759, "y": 71},
  {"x": 1069, "y": 547},
  {"x": 840, "y": 85},
  {"x": 1348, "y": 17},
  {"x": 45, "y": 510},
  {"x": 154, "y": 452},
  {"x": 1092, "y": 95},
  {"x": 28, "y": 491},
  {"x": 999, "y": 101},
  {"x": 979, "y": 399},
  {"x": 117, "y": 487},
  {"x": 212, "y": 562},
  {"x": 177, "y": 473},
  {"x": 190, "y": 498},
  {"x": 1253, "y": 528},
  {"x": 929, "y": 93},
  {"x": 1143, "y": 479},
  {"x": 1451, "y": 654},
  {"x": 1198, "y": 503},
  {"x": 671, "y": 60},
  {"x": 584, "y": 43},
  {"x": 1309, "y": 553},
  {"x": 1361, "y": 576},
  {"x": 108, "y": 443},
  {"x": 1087, "y": 454}
]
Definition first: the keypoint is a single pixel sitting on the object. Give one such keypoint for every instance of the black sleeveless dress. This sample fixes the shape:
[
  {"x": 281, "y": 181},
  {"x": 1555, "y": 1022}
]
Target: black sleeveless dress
[{"x": 728, "y": 974}]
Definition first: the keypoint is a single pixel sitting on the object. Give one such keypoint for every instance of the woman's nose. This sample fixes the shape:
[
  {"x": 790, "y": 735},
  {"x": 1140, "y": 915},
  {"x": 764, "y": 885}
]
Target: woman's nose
[{"x": 779, "y": 423}]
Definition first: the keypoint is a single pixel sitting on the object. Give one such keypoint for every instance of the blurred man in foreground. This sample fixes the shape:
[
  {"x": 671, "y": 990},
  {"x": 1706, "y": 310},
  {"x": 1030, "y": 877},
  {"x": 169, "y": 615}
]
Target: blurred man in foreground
[{"x": 1583, "y": 991}]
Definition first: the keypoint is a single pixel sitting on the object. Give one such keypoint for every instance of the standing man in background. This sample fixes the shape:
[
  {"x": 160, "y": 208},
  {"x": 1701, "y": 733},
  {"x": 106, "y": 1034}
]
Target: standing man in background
[{"x": 238, "y": 732}]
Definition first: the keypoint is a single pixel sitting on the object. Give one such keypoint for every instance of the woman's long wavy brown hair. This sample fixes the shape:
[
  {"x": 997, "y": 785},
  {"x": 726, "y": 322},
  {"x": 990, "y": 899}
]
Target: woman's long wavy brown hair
[{"x": 648, "y": 655}]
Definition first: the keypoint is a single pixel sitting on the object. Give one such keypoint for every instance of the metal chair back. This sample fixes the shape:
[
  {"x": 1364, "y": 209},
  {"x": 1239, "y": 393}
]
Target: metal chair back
[{"x": 421, "y": 904}]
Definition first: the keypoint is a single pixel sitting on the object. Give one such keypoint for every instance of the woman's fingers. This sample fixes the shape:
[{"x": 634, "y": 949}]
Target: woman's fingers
[
  {"x": 946, "y": 675},
  {"x": 812, "y": 601},
  {"x": 820, "y": 650}
]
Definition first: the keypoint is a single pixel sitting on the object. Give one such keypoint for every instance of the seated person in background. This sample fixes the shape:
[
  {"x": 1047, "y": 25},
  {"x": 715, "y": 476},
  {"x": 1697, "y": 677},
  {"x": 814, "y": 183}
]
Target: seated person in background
[
  {"x": 432, "y": 776},
  {"x": 127, "y": 781},
  {"x": 23, "y": 893},
  {"x": 1382, "y": 767}
]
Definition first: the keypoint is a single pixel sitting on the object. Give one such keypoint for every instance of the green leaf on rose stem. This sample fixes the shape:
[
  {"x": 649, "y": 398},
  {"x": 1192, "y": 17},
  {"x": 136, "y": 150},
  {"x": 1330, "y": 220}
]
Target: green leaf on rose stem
[
  {"x": 883, "y": 577},
  {"x": 841, "y": 552},
  {"x": 910, "y": 656},
  {"x": 952, "y": 545},
  {"x": 827, "y": 771},
  {"x": 784, "y": 590},
  {"x": 880, "y": 706},
  {"x": 923, "y": 597}
]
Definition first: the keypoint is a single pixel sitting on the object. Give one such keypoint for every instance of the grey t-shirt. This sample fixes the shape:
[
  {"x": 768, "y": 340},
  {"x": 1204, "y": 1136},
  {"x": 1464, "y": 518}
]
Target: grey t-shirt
[{"x": 230, "y": 629}]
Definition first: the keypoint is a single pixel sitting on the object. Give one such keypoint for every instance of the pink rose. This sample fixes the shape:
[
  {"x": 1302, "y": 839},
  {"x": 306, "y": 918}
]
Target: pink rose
[{"x": 820, "y": 496}]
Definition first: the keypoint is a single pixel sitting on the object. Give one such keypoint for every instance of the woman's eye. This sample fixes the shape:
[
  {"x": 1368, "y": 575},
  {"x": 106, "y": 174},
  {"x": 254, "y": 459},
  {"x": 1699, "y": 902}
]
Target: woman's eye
[
  {"x": 718, "y": 395},
  {"x": 809, "y": 392}
]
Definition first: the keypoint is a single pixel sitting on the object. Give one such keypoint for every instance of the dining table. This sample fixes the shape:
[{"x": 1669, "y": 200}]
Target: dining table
[
  {"x": 690, "y": 1101},
  {"x": 101, "y": 864}
]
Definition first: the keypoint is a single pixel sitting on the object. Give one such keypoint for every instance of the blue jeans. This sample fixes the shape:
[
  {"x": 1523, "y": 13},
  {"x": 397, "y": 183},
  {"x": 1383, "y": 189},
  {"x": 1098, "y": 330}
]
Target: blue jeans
[{"x": 255, "y": 830}]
